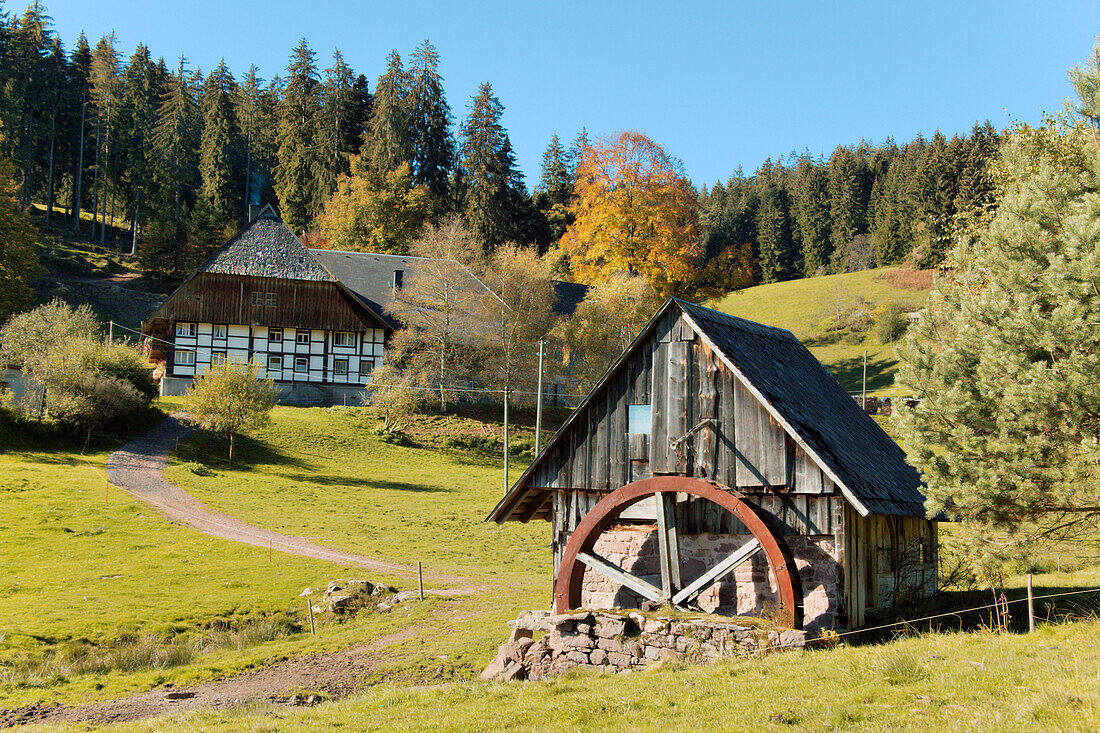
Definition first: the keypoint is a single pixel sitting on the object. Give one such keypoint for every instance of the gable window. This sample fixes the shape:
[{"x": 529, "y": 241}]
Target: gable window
[
  {"x": 301, "y": 364},
  {"x": 185, "y": 357},
  {"x": 275, "y": 335},
  {"x": 185, "y": 329},
  {"x": 271, "y": 300},
  {"x": 219, "y": 331},
  {"x": 340, "y": 366},
  {"x": 257, "y": 297},
  {"x": 398, "y": 279},
  {"x": 343, "y": 338},
  {"x": 639, "y": 419},
  {"x": 302, "y": 337},
  {"x": 217, "y": 358},
  {"x": 274, "y": 363}
]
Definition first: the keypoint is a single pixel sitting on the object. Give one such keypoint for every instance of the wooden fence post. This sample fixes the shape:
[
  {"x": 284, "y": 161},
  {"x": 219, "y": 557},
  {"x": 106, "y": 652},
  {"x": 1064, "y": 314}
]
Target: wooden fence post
[
  {"x": 420, "y": 578},
  {"x": 1030, "y": 606},
  {"x": 309, "y": 610}
]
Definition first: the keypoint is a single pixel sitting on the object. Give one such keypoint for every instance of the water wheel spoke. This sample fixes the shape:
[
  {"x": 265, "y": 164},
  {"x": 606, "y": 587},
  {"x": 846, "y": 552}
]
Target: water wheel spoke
[
  {"x": 708, "y": 578},
  {"x": 620, "y": 576},
  {"x": 668, "y": 543}
]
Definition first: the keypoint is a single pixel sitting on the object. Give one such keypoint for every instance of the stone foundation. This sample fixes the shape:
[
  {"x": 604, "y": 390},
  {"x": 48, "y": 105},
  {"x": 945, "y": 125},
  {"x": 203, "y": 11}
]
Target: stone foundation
[
  {"x": 620, "y": 642},
  {"x": 749, "y": 591}
]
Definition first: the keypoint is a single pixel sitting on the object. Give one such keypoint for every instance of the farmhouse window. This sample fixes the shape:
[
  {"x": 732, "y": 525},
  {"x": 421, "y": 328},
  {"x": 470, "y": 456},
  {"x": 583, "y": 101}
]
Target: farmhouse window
[
  {"x": 301, "y": 363},
  {"x": 274, "y": 363},
  {"x": 366, "y": 366},
  {"x": 398, "y": 279},
  {"x": 185, "y": 329},
  {"x": 340, "y": 366},
  {"x": 185, "y": 358},
  {"x": 302, "y": 337},
  {"x": 219, "y": 331},
  {"x": 272, "y": 300},
  {"x": 639, "y": 419},
  {"x": 275, "y": 335},
  {"x": 257, "y": 297},
  {"x": 217, "y": 358},
  {"x": 343, "y": 338}
]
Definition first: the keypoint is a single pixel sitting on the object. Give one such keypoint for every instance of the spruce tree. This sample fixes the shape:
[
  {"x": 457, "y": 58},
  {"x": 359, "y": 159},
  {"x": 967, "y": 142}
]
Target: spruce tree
[
  {"x": 389, "y": 141},
  {"x": 175, "y": 140},
  {"x": 556, "y": 180},
  {"x": 297, "y": 177},
  {"x": 80, "y": 64},
  {"x": 339, "y": 123},
  {"x": 773, "y": 229},
  {"x": 494, "y": 196},
  {"x": 142, "y": 88},
  {"x": 219, "y": 146},
  {"x": 433, "y": 144},
  {"x": 810, "y": 211}
]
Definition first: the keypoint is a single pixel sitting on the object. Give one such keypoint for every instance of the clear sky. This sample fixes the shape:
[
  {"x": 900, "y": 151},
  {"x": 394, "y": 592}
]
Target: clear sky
[{"x": 718, "y": 84}]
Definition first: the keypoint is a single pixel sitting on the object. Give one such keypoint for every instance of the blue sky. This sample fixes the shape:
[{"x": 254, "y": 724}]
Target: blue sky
[{"x": 719, "y": 85}]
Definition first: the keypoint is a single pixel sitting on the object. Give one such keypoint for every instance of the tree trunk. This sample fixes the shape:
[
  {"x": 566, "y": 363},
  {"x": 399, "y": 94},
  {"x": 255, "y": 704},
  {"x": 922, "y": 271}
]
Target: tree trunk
[
  {"x": 95, "y": 177},
  {"x": 231, "y": 449},
  {"x": 49, "y": 170},
  {"x": 134, "y": 222},
  {"x": 107, "y": 162},
  {"x": 79, "y": 170}
]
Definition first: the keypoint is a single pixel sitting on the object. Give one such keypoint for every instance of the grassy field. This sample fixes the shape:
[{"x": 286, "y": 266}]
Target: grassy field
[
  {"x": 939, "y": 682},
  {"x": 813, "y": 309},
  {"x": 86, "y": 565}
]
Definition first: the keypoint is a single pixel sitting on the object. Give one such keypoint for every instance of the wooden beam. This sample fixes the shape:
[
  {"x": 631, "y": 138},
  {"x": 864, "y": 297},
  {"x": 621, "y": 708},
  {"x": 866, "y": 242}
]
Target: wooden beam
[
  {"x": 668, "y": 541},
  {"x": 708, "y": 578},
  {"x": 622, "y": 577},
  {"x": 536, "y": 504}
]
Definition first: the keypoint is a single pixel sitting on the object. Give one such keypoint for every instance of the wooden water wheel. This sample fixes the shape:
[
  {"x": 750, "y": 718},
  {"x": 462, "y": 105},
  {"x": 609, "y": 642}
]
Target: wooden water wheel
[{"x": 579, "y": 551}]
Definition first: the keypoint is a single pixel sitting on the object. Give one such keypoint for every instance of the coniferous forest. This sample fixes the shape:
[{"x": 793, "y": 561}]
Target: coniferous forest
[{"x": 172, "y": 155}]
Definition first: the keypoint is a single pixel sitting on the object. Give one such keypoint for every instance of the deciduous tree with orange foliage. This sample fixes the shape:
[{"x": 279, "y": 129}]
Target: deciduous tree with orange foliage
[{"x": 636, "y": 212}]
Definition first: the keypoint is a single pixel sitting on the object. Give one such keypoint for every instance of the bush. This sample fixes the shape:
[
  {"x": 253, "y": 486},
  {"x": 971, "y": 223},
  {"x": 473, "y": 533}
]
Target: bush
[
  {"x": 891, "y": 322},
  {"x": 125, "y": 364}
]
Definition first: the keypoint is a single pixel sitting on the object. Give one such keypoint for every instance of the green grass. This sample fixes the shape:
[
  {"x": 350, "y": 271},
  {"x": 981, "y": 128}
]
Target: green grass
[
  {"x": 971, "y": 681},
  {"x": 808, "y": 307},
  {"x": 84, "y": 561}
]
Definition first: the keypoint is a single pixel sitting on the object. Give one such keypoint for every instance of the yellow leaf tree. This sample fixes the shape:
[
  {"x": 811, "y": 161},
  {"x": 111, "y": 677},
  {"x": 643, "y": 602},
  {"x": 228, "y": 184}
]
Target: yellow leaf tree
[
  {"x": 636, "y": 212},
  {"x": 370, "y": 212}
]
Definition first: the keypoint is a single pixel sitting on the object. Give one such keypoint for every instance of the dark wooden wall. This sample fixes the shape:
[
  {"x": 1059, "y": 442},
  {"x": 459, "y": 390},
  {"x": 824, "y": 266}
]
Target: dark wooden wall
[{"x": 215, "y": 298}]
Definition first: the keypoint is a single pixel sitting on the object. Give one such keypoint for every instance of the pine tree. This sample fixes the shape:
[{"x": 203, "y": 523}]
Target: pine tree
[
  {"x": 810, "y": 210},
  {"x": 80, "y": 65},
  {"x": 175, "y": 140},
  {"x": 773, "y": 231},
  {"x": 142, "y": 88},
  {"x": 106, "y": 88},
  {"x": 556, "y": 179},
  {"x": 300, "y": 159},
  {"x": 219, "y": 147},
  {"x": 339, "y": 123},
  {"x": 257, "y": 115},
  {"x": 389, "y": 140},
  {"x": 433, "y": 145},
  {"x": 494, "y": 191}
]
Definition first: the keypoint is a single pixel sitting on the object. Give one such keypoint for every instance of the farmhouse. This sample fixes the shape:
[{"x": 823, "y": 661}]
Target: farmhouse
[
  {"x": 312, "y": 320},
  {"x": 718, "y": 466}
]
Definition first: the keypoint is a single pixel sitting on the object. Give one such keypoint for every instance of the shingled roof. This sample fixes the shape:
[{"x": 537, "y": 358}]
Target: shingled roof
[
  {"x": 265, "y": 247},
  {"x": 867, "y": 466}
]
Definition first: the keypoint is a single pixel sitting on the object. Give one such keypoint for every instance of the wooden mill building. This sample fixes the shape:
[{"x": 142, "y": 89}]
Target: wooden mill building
[{"x": 719, "y": 466}]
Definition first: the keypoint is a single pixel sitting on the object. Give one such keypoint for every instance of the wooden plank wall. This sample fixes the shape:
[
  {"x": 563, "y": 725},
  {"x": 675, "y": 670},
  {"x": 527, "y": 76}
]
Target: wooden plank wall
[{"x": 685, "y": 383}]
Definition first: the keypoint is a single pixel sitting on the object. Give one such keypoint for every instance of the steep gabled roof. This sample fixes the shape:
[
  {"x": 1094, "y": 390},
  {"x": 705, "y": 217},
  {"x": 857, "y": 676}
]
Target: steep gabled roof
[
  {"x": 265, "y": 247},
  {"x": 867, "y": 466}
]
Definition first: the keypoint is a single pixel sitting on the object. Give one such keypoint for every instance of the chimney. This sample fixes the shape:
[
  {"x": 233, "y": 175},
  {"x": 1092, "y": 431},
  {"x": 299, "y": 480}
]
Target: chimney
[{"x": 254, "y": 211}]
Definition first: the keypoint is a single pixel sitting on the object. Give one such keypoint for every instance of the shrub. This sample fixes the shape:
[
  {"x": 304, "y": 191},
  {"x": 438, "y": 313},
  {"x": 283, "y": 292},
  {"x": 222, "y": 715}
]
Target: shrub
[{"x": 891, "y": 322}]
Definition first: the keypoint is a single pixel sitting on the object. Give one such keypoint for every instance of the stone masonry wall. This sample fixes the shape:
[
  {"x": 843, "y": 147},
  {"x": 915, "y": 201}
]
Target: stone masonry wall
[
  {"x": 620, "y": 642},
  {"x": 749, "y": 590}
]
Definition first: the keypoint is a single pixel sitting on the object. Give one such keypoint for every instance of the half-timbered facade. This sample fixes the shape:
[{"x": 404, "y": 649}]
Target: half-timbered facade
[
  {"x": 719, "y": 466},
  {"x": 263, "y": 297}
]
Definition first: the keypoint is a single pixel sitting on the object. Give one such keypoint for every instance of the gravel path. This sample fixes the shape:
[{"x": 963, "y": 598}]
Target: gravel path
[{"x": 138, "y": 466}]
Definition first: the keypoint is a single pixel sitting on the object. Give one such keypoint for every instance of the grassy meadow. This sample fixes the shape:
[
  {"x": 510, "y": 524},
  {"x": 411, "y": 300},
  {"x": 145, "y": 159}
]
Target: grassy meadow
[
  {"x": 826, "y": 314},
  {"x": 938, "y": 682},
  {"x": 92, "y": 571}
]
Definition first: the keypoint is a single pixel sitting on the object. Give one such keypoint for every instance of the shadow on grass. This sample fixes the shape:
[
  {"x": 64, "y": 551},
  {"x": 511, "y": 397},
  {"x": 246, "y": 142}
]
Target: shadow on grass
[
  {"x": 849, "y": 372},
  {"x": 213, "y": 452},
  {"x": 366, "y": 483}
]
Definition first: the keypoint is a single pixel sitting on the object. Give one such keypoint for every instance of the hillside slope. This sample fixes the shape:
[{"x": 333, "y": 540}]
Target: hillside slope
[{"x": 834, "y": 315}]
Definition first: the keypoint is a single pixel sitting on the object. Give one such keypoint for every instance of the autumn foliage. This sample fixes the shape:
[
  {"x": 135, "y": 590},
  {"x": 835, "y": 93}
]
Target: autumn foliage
[{"x": 634, "y": 211}]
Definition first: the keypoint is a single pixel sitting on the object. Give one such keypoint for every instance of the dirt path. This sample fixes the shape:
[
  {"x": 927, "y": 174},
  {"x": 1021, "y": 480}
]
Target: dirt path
[
  {"x": 332, "y": 675},
  {"x": 138, "y": 468}
]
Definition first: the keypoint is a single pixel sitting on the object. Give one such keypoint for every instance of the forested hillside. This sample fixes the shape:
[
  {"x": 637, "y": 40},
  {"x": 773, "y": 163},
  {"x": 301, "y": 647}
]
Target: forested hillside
[{"x": 172, "y": 155}]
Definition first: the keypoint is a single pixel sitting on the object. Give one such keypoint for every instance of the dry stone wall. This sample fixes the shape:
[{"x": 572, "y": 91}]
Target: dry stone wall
[
  {"x": 749, "y": 591},
  {"x": 619, "y": 642}
]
